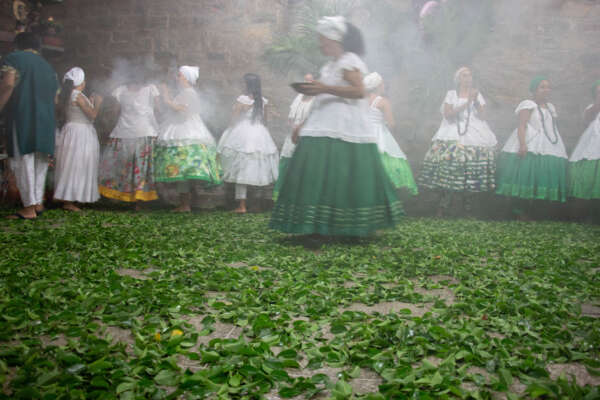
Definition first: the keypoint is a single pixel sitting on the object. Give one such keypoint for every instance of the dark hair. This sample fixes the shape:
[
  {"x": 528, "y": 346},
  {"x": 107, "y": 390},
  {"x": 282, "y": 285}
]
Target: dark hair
[
  {"x": 27, "y": 40},
  {"x": 353, "y": 40},
  {"x": 64, "y": 100},
  {"x": 253, "y": 87}
]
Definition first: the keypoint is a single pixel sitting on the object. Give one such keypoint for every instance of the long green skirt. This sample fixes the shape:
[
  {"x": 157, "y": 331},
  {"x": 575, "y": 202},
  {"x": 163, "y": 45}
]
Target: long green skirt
[
  {"x": 533, "y": 177},
  {"x": 283, "y": 166},
  {"x": 584, "y": 179},
  {"x": 191, "y": 162},
  {"x": 332, "y": 187},
  {"x": 400, "y": 173}
]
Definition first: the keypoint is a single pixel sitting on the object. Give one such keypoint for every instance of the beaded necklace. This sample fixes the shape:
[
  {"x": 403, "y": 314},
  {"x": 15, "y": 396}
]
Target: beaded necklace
[
  {"x": 554, "y": 125},
  {"x": 466, "y": 124}
]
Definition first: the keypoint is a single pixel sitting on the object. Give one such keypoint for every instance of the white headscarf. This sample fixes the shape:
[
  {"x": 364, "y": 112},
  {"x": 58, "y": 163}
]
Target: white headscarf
[
  {"x": 75, "y": 74},
  {"x": 372, "y": 81},
  {"x": 333, "y": 28},
  {"x": 458, "y": 72},
  {"x": 190, "y": 73}
]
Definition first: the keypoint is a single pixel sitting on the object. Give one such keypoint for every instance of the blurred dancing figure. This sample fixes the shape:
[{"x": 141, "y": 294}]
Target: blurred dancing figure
[{"x": 335, "y": 183}]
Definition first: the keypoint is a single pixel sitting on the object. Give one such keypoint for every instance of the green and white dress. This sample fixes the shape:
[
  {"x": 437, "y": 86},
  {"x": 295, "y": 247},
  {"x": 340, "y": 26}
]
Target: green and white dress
[
  {"x": 462, "y": 153},
  {"x": 584, "y": 163},
  {"x": 335, "y": 183},
  {"x": 186, "y": 150},
  {"x": 394, "y": 160},
  {"x": 299, "y": 111},
  {"x": 542, "y": 173}
]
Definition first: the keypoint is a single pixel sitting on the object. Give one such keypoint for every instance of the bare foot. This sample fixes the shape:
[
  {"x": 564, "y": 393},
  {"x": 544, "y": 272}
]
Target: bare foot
[
  {"x": 39, "y": 209},
  {"x": 24, "y": 213},
  {"x": 182, "y": 209},
  {"x": 71, "y": 207},
  {"x": 240, "y": 210}
]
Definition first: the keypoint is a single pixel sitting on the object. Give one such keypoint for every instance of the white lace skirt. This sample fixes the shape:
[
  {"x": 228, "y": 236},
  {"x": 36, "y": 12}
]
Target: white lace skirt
[{"x": 77, "y": 158}]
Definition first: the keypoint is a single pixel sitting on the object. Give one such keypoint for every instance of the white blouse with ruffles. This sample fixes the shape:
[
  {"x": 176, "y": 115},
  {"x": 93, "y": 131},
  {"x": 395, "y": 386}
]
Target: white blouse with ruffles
[
  {"x": 535, "y": 138},
  {"x": 337, "y": 117},
  {"x": 478, "y": 132}
]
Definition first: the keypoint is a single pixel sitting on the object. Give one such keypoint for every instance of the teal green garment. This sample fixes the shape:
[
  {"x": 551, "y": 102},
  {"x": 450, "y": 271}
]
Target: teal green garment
[{"x": 31, "y": 106}]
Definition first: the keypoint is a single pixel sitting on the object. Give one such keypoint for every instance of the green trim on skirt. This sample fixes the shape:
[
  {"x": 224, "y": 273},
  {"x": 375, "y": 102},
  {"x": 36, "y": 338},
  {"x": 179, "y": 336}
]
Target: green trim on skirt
[
  {"x": 454, "y": 167},
  {"x": 283, "y": 166},
  {"x": 584, "y": 179},
  {"x": 332, "y": 187},
  {"x": 400, "y": 173},
  {"x": 191, "y": 162},
  {"x": 533, "y": 177}
]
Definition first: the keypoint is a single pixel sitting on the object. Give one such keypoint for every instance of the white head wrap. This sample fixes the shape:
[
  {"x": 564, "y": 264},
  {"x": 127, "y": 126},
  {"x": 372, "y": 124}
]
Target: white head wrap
[
  {"x": 458, "y": 72},
  {"x": 372, "y": 81},
  {"x": 190, "y": 73},
  {"x": 75, "y": 74},
  {"x": 333, "y": 28}
]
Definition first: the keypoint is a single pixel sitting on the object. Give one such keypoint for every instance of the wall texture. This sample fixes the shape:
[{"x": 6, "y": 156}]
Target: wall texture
[{"x": 226, "y": 38}]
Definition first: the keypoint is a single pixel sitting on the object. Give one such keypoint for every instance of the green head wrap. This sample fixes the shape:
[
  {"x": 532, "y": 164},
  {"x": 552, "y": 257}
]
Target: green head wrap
[
  {"x": 595, "y": 87},
  {"x": 535, "y": 82}
]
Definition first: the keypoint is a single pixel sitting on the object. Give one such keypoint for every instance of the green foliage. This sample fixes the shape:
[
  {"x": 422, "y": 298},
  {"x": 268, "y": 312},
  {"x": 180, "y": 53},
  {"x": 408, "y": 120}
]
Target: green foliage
[{"x": 518, "y": 291}]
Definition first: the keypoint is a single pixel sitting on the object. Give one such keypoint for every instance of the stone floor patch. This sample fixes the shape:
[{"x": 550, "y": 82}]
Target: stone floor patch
[
  {"x": 581, "y": 374},
  {"x": 590, "y": 310}
]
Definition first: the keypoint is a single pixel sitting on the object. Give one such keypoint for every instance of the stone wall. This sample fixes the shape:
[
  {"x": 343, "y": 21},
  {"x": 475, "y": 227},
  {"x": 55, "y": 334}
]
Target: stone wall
[{"x": 226, "y": 38}]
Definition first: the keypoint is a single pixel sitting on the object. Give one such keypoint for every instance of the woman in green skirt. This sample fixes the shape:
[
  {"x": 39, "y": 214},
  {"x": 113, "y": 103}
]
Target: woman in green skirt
[
  {"x": 335, "y": 183},
  {"x": 533, "y": 163},
  {"x": 584, "y": 163}
]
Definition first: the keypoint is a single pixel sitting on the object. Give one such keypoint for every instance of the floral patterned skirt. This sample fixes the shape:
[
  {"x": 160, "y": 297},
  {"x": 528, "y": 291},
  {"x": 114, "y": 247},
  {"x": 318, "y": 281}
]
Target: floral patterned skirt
[
  {"x": 451, "y": 166},
  {"x": 190, "y": 162},
  {"x": 127, "y": 170}
]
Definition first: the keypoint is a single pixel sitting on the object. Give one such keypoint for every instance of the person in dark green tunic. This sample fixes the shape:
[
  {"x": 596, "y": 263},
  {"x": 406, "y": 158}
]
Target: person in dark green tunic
[{"x": 28, "y": 89}]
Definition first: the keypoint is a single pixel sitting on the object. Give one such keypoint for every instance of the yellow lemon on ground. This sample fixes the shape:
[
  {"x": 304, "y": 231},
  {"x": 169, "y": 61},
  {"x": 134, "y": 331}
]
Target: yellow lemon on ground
[
  {"x": 157, "y": 336},
  {"x": 254, "y": 268},
  {"x": 176, "y": 333}
]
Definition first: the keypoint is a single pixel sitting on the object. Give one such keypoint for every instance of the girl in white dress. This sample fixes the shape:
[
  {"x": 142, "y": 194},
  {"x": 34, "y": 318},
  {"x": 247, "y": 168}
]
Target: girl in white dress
[
  {"x": 533, "y": 162},
  {"x": 461, "y": 158},
  {"x": 584, "y": 167},
  {"x": 393, "y": 158},
  {"x": 77, "y": 146},
  {"x": 247, "y": 152},
  {"x": 127, "y": 164},
  {"x": 185, "y": 151},
  {"x": 299, "y": 111}
]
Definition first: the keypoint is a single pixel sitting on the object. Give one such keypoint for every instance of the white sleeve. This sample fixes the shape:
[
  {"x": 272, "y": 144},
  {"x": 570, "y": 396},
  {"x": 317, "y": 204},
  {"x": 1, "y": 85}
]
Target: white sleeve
[
  {"x": 526, "y": 105},
  {"x": 245, "y": 100},
  {"x": 118, "y": 92},
  {"x": 450, "y": 99},
  {"x": 351, "y": 62},
  {"x": 153, "y": 91},
  {"x": 480, "y": 99}
]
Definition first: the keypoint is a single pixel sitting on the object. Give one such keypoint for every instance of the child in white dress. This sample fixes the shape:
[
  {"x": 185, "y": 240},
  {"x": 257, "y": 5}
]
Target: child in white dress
[
  {"x": 247, "y": 152},
  {"x": 77, "y": 146}
]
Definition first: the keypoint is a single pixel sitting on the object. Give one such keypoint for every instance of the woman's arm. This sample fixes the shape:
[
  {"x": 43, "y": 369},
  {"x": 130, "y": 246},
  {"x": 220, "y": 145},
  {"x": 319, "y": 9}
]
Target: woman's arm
[
  {"x": 356, "y": 90},
  {"x": 590, "y": 114},
  {"x": 90, "y": 111},
  {"x": 524, "y": 116},
  {"x": 7, "y": 85},
  {"x": 168, "y": 100},
  {"x": 386, "y": 108}
]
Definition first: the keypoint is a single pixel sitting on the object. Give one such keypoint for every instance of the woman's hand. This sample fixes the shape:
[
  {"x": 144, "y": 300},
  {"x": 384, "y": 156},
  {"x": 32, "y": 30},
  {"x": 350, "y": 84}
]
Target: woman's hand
[
  {"x": 473, "y": 95},
  {"x": 522, "y": 150},
  {"x": 296, "y": 134},
  {"x": 96, "y": 100}
]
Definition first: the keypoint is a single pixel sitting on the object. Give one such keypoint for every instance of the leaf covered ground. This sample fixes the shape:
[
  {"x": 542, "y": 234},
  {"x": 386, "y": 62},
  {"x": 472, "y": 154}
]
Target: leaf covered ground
[{"x": 105, "y": 305}]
